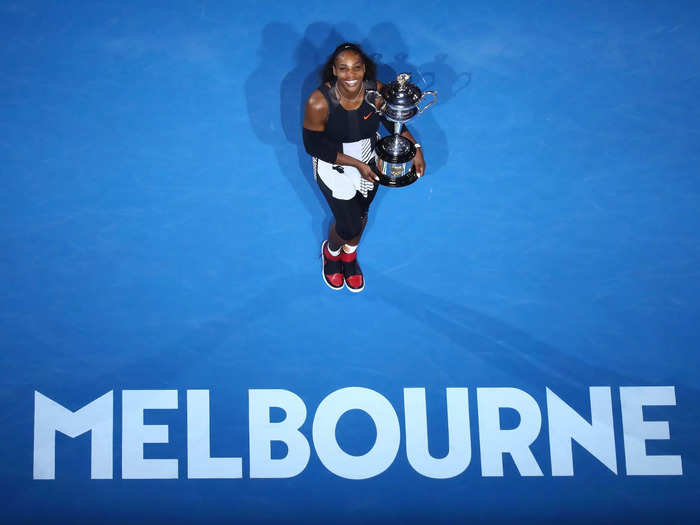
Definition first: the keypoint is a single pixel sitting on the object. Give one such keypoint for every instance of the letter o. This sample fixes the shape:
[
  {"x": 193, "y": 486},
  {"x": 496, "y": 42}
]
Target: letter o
[{"x": 385, "y": 448}]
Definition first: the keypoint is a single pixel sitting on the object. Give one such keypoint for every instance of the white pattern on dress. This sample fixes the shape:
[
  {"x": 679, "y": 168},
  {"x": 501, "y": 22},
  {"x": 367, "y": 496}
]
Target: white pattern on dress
[{"x": 344, "y": 185}]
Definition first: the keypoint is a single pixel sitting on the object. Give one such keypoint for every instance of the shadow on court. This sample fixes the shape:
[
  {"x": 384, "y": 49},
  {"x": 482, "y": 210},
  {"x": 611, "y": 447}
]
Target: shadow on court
[{"x": 276, "y": 113}]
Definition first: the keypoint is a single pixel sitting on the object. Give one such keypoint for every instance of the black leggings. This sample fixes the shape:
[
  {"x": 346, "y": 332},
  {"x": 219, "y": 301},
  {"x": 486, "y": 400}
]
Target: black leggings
[{"x": 350, "y": 215}]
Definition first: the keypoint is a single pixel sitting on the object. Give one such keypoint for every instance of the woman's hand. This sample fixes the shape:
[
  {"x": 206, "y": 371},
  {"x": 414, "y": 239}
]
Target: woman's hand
[
  {"x": 419, "y": 162},
  {"x": 367, "y": 172}
]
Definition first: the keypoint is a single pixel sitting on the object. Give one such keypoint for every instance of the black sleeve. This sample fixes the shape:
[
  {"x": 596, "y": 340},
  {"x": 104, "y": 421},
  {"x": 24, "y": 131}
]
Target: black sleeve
[{"x": 318, "y": 145}]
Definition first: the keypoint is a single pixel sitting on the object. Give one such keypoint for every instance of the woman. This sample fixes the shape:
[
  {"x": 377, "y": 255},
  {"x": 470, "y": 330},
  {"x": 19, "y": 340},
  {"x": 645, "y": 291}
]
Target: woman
[{"x": 340, "y": 131}]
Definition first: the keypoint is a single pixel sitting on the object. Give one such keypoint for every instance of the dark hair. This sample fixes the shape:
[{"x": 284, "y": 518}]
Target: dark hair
[{"x": 327, "y": 70}]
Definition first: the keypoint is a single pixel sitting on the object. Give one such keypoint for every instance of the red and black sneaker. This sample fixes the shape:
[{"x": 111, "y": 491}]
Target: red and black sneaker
[
  {"x": 332, "y": 268},
  {"x": 354, "y": 279}
]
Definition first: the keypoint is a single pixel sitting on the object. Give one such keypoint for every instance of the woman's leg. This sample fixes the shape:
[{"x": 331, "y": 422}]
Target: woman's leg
[
  {"x": 361, "y": 210},
  {"x": 339, "y": 233},
  {"x": 344, "y": 235},
  {"x": 354, "y": 278},
  {"x": 335, "y": 241}
]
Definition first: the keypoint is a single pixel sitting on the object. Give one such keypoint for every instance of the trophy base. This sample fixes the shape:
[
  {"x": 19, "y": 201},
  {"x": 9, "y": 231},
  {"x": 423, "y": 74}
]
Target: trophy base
[{"x": 394, "y": 182}]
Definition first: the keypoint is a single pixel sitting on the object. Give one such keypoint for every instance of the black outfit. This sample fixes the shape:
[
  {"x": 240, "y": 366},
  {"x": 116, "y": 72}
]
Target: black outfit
[
  {"x": 355, "y": 133},
  {"x": 350, "y": 215}
]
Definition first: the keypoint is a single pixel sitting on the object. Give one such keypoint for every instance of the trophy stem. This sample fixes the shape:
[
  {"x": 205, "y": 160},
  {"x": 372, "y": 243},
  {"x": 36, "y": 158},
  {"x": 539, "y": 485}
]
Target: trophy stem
[{"x": 397, "y": 128}]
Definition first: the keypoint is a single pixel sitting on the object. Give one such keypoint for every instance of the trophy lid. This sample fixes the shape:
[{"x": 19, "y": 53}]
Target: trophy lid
[{"x": 401, "y": 92}]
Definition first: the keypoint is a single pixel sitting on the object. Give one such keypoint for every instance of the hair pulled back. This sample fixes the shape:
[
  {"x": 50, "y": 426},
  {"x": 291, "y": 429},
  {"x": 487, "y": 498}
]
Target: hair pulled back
[{"x": 327, "y": 70}]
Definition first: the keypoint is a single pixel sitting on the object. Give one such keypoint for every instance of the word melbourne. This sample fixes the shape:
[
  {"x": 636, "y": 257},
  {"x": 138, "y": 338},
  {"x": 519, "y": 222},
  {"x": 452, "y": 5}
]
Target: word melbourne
[{"x": 594, "y": 432}]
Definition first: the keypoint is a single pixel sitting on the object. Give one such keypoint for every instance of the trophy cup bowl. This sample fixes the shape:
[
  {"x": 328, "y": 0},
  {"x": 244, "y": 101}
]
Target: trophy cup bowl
[
  {"x": 398, "y": 102},
  {"x": 394, "y": 163}
]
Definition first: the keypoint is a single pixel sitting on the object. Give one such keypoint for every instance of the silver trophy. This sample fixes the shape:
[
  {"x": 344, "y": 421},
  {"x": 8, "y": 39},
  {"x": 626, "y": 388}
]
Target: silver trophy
[{"x": 397, "y": 102}]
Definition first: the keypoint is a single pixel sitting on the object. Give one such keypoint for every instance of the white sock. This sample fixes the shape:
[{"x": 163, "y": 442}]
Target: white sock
[
  {"x": 333, "y": 253},
  {"x": 349, "y": 249}
]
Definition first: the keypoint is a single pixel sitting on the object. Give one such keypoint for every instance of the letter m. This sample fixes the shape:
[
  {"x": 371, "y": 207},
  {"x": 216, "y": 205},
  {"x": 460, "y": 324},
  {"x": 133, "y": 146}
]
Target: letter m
[{"x": 50, "y": 417}]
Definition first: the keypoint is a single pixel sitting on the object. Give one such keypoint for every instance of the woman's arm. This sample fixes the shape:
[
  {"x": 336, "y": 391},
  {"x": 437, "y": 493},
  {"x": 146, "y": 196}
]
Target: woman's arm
[
  {"x": 418, "y": 160},
  {"x": 318, "y": 145}
]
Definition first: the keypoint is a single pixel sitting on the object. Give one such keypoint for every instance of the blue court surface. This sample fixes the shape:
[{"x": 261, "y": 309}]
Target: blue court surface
[{"x": 526, "y": 346}]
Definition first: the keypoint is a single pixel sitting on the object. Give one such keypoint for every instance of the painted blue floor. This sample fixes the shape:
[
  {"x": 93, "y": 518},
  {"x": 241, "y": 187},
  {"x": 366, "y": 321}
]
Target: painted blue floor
[{"x": 160, "y": 229}]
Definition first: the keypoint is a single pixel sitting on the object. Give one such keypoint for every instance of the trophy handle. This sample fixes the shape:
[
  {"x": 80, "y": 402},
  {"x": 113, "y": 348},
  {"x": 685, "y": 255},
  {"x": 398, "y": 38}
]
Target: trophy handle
[
  {"x": 380, "y": 112},
  {"x": 434, "y": 95}
]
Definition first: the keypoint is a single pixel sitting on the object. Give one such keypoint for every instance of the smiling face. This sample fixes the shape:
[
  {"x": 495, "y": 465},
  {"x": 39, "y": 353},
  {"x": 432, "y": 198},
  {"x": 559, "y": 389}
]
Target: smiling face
[{"x": 349, "y": 68}]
